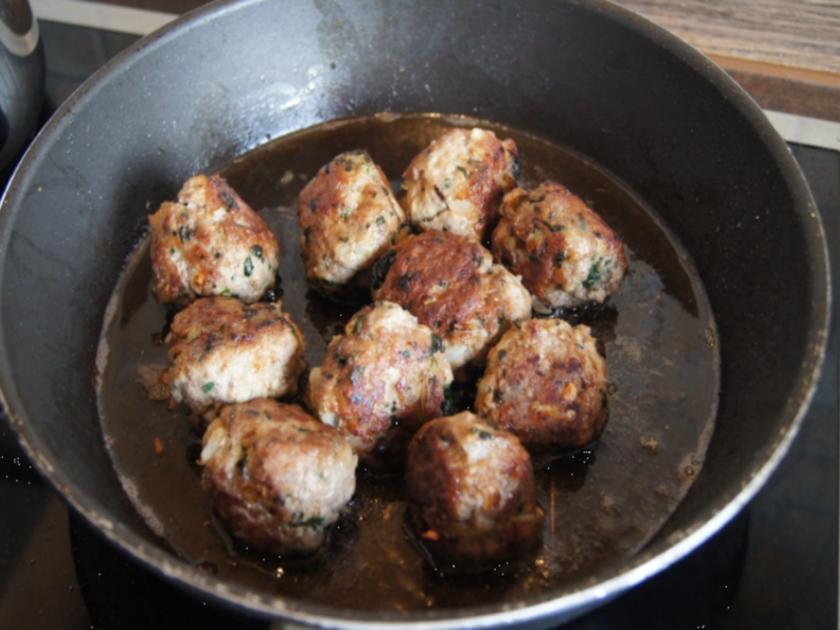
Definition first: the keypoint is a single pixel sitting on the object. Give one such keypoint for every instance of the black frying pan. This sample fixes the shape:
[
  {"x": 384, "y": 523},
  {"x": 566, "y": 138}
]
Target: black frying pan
[{"x": 588, "y": 77}]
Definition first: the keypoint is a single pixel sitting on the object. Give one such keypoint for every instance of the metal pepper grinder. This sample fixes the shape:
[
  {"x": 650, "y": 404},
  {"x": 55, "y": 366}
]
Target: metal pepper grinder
[{"x": 21, "y": 77}]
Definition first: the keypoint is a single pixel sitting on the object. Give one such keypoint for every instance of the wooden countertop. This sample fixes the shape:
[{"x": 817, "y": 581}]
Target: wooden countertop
[{"x": 785, "y": 53}]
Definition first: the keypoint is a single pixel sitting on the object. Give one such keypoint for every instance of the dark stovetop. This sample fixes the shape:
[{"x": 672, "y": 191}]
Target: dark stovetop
[{"x": 774, "y": 566}]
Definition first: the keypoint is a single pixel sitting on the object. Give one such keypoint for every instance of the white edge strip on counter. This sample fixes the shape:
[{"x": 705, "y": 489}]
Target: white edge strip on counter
[
  {"x": 813, "y": 132},
  {"x": 799, "y": 129},
  {"x": 108, "y": 17}
]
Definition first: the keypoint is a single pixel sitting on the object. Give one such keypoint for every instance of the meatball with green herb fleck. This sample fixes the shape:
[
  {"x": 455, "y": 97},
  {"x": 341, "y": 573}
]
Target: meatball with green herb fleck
[
  {"x": 566, "y": 254},
  {"x": 224, "y": 351},
  {"x": 456, "y": 183},
  {"x": 451, "y": 285},
  {"x": 210, "y": 242},
  {"x": 471, "y": 494},
  {"x": 348, "y": 217},
  {"x": 380, "y": 380},
  {"x": 278, "y": 477},
  {"x": 546, "y": 382}
]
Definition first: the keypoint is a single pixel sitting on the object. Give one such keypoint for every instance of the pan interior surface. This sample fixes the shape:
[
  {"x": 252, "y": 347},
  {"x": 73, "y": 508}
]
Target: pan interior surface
[{"x": 603, "y": 505}]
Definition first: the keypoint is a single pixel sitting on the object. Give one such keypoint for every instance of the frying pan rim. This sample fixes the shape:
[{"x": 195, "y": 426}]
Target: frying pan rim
[{"x": 621, "y": 576}]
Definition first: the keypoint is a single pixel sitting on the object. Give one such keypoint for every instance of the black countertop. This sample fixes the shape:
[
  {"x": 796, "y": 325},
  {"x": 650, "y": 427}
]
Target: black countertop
[{"x": 774, "y": 566}]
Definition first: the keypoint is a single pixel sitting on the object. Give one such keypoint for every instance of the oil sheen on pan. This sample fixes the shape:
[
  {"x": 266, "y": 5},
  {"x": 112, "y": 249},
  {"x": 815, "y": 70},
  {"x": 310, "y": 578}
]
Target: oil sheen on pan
[{"x": 602, "y": 505}]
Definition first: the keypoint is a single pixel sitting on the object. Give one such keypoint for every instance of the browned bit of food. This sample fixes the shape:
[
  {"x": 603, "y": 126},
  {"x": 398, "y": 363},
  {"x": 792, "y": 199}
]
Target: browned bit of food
[
  {"x": 608, "y": 504},
  {"x": 687, "y": 472},
  {"x": 650, "y": 444},
  {"x": 155, "y": 380}
]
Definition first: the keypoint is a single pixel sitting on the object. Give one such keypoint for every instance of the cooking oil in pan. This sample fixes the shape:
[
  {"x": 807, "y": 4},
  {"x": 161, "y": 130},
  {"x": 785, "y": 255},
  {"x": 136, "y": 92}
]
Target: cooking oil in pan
[{"x": 602, "y": 505}]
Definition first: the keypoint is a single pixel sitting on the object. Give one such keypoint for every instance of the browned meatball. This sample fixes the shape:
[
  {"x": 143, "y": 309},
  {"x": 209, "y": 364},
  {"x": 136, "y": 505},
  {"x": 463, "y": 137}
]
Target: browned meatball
[
  {"x": 455, "y": 184},
  {"x": 451, "y": 285},
  {"x": 278, "y": 477},
  {"x": 546, "y": 382},
  {"x": 380, "y": 380},
  {"x": 471, "y": 492},
  {"x": 224, "y": 351},
  {"x": 348, "y": 217},
  {"x": 563, "y": 250},
  {"x": 210, "y": 242}
]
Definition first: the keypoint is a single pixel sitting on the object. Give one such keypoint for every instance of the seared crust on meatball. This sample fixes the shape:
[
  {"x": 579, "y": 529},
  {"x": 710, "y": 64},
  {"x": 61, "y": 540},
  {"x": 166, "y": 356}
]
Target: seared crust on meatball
[
  {"x": 348, "y": 217},
  {"x": 210, "y": 242},
  {"x": 471, "y": 491},
  {"x": 380, "y": 380},
  {"x": 566, "y": 254},
  {"x": 456, "y": 183},
  {"x": 546, "y": 382},
  {"x": 450, "y": 284},
  {"x": 279, "y": 478},
  {"x": 224, "y": 351}
]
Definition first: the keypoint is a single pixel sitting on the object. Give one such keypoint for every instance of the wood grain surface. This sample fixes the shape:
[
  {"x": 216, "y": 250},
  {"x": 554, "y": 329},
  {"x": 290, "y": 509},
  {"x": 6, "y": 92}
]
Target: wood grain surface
[
  {"x": 786, "y": 54},
  {"x": 794, "y": 33},
  {"x": 807, "y": 93}
]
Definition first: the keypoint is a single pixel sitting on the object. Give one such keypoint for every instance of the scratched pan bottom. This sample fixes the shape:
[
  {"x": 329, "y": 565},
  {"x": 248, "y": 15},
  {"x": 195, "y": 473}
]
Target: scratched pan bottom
[{"x": 602, "y": 505}]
